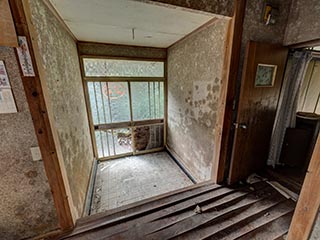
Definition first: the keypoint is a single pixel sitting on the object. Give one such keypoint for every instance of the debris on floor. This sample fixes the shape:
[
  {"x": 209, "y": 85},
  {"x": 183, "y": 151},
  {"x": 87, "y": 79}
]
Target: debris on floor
[{"x": 254, "y": 178}]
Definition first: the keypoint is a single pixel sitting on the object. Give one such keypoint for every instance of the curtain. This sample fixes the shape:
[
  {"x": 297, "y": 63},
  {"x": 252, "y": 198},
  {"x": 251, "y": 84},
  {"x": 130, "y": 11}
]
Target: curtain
[{"x": 288, "y": 102}]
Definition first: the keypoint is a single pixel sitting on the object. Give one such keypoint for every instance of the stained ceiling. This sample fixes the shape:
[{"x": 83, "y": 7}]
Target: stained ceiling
[{"x": 130, "y": 22}]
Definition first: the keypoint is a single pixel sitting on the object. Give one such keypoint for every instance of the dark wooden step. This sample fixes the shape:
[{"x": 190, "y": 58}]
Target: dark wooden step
[{"x": 206, "y": 211}]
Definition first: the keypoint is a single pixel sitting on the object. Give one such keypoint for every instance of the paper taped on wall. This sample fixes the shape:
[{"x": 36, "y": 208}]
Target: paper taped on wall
[{"x": 7, "y": 103}]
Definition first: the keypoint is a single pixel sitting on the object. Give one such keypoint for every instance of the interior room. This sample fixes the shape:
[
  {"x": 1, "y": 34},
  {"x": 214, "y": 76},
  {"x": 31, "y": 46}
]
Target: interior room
[
  {"x": 125, "y": 72},
  {"x": 138, "y": 119}
]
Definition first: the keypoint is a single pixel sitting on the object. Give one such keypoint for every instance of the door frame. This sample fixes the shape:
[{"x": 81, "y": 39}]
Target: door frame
[
  {"x": 42, "y": 115},
  {"x": 235, "y": 52},
  {"x": 308, "y": 204},
  {"x": 46, "y": 132}
]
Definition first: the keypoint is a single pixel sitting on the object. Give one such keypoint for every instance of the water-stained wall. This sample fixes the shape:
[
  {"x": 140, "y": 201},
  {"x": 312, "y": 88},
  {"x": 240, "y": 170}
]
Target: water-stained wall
[
  {"x": 27, "y": 207},
  {"x": 195, "y": 67},
  {"x": 303, "y": 23},
  {"x": 60, "y": 61},
  {"x": 254, "y": 28}
]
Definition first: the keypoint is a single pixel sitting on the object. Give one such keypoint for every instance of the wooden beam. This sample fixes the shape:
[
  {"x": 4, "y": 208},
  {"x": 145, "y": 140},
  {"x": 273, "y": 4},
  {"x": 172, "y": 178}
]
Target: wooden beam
[
  {"x": 216, "y": 166},
  {"x": 8, "y": 34},
  {"x": 237, "y": 25},
  {"x": 309, "y": 200},
  {"x": 311, "y": 43},
  {"x": 41, "y": 121}
]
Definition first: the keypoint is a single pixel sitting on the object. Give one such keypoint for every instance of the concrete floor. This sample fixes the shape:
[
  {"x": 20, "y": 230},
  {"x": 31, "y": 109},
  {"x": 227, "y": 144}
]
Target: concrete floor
[{"x": 130, "y": 179}]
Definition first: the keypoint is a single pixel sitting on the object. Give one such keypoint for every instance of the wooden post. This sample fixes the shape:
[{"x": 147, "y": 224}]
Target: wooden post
[
  {"x": 237, "y": 27},
  {"x": 40, "y": 117},
  {"x": 8, "y": 34},
  {"x": 309, "y": 201}
]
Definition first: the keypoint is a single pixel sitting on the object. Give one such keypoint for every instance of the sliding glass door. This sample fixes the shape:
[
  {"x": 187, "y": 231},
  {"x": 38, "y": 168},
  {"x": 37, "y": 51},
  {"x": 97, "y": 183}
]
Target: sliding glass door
[{"x": 126, "y": 105}]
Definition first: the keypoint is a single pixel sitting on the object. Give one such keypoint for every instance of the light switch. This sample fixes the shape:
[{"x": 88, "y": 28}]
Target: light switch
[{"x": 36, "y": 154}]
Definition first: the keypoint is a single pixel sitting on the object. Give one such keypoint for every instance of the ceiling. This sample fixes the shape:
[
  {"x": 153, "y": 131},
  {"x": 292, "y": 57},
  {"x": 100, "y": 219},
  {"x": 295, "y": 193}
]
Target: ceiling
[{"x": 129, "y": 22}]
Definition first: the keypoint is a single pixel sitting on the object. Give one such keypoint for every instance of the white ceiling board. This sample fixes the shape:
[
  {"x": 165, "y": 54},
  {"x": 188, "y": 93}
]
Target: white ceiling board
[{"x": 112, "y": 21}]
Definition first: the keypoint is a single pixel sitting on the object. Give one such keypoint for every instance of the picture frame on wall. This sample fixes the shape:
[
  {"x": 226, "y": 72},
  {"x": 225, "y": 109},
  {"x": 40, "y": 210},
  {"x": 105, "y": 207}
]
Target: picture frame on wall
[{"x": 265, "y": 75}]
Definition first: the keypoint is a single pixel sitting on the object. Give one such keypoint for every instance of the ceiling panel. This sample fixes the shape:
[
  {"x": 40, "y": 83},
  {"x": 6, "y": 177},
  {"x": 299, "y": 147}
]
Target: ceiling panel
[{"x": 128, "y": 22}]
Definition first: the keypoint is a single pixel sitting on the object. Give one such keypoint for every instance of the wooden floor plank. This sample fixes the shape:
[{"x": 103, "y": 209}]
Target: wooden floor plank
[
  {"x": 178, "y": 216},
  {"x": 271, "y": 231},
  {"x": 213, "y": 195},
  {"x": 204, "y": 218},
  {"x": 244, "y": 212},
  {"x": 246, "y": 226},
  {"x": 257, "y": 209},
  {"x": 186, "y": 192},
  {"x": 123, "y": 222},
  {"x": 142, "y": 208}
]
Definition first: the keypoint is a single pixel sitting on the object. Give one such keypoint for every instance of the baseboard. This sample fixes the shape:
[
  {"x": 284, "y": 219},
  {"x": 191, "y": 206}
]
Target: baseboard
[
  {"x": 181, "y": 166},
  {"x": 89, "y": 196}
]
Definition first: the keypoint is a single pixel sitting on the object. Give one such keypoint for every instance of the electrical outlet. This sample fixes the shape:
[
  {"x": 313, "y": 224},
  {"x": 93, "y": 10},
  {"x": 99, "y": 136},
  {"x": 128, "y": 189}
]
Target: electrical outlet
[{"x": 36, "y": 154}]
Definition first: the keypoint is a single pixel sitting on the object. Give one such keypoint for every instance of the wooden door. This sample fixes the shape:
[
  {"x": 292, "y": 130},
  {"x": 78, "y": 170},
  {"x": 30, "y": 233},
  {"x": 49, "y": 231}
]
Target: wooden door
[{"x": 262, "y": 76}]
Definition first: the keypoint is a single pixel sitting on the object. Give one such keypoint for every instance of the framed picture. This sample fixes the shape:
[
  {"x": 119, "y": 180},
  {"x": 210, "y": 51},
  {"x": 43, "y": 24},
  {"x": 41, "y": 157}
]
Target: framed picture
[{"x": 265, "y": 75}]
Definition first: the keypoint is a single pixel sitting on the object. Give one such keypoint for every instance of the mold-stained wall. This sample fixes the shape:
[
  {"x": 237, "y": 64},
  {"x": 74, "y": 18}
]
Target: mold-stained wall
[
  {"x": 255, "y": 30},
  {"x": 221, "y": 7},
  {"x": 60, "y": 61},
  {"x": 303, "y": 23},
  {"x": 253, "y": 27},
  {"x": 27, "y": 207},
  {"x": 195, "y": 67}
]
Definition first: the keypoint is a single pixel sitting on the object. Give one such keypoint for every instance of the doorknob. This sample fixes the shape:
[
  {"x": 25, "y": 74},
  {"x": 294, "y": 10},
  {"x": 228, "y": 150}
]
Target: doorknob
[{"x": 240, "y": 125}]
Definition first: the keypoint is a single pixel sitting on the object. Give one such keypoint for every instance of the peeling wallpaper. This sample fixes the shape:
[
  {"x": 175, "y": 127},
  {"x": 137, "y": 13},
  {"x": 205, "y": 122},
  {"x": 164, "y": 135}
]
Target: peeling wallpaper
[
  {"x": 64, "y": 82},
  {"x": 304, "y": 22},
  {"x": 194, "y": 79},
  {"x": 27, "y": 207}
]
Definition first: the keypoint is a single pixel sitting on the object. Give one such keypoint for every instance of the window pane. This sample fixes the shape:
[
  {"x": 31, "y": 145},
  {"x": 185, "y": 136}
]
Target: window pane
[
  {"x": 112, "y": 142},
  {"x": 140, "y": 100},
  {"x": 122, "y": 140},
  {"x": 147, "y": 100},
  {"x": 99, "y": 103},
  {"x": 119, "y": 101},
  {"x": 109, "y": 102},
  {"x": 93, "y": 105},
  {"x": 148, "y": 137},
  {"x": 122, "y": 68},
  {"x": 104, "y": 143}
]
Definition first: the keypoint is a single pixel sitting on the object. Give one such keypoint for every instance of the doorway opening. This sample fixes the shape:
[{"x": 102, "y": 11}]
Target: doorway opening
[{"x": 301, "y": 134}]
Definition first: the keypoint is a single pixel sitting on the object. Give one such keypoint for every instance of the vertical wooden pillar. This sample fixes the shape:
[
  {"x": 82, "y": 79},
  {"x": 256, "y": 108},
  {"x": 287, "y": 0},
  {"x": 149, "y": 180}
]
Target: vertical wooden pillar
[
  {"x": 39, "y": 112},
  {"x": 8, "y": 34},
  {"x": 237, "y": 28},
  {"x": 309, "y": 200}
]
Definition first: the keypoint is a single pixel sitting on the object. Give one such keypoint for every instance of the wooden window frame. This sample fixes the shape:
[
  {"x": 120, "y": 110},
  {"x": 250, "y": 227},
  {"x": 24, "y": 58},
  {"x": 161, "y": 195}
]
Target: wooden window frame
[{"x": 128, "y": 124}]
